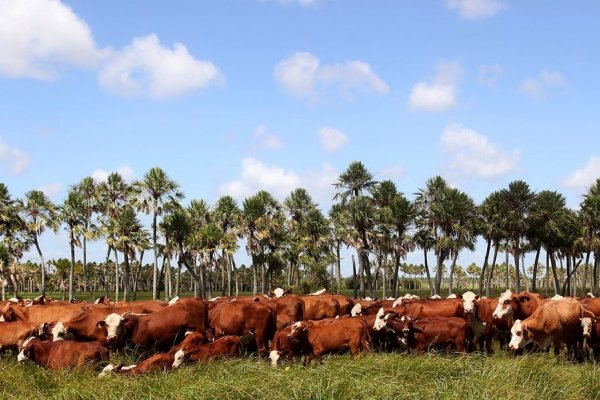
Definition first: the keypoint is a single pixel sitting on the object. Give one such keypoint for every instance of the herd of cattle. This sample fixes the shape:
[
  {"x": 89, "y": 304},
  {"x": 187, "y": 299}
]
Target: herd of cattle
[{"x": 60, "y": 335}]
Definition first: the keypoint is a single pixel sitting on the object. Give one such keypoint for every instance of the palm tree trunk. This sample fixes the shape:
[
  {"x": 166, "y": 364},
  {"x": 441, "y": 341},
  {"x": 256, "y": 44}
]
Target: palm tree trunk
[
  {"x": 338, "y": 274},
  {"x": 395, "y": 276},
  {"x": 554, "y": 273},
  {"x": 126, "y": 287},
  {"x": 235, "y": 274},
  {"x": 105, "y": 271},
  {"x": 227, "y": 264},
  {"x": 517, "y": 267},
  {"x": 354, "y": 277},
  {"x": 72, "y": 269},
  {"x": 585, "y": 273},
  {"x": 438, "y": 274},
  {"x": 535, "y": 269},
  {"x": 116, "y": 275},
  {"x": 367, "y": 269},
  {"x": 360, "y": 274},
  {"x": 86, "y": 284},
  {"x": 254, "y": 275},
  {"x": 488, "y": 283},
  {"x": 507, "y": 270},
  {"x": 595, "y": 290},
  {"x": 485, "y": 264},
  {"x": 155, "y": 270},
  {"x": 451, "y": 280},
  {"x": 42, "y": 267},
  {"x": 429, "y": 281}
]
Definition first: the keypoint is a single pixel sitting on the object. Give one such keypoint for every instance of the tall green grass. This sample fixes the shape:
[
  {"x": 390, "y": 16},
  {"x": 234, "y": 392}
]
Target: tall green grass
[{"x": 370, "y": 376}]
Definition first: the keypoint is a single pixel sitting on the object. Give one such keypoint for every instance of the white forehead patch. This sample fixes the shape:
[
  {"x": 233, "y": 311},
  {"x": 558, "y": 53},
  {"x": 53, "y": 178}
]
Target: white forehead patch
[
  {"x": 274, "y": 356},
  {"x": 178, "y": 360},
  {"x": 398, "y": 302},
  {"x": 356, "y": 310},
  {"x": 279, "y": 292},
  {"x": 13, "y": 300},
  {"x": 557, "y": 297},
  {"x": 58, "y": 332},
  {"x": 174, "y": 300},
  {"x": 505, "y": 296}
]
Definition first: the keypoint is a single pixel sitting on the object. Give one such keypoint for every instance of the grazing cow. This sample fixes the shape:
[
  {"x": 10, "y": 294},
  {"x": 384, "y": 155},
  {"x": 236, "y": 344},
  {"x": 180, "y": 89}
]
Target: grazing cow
[
  {"x": 432, "y": 308},
  {"x": 284, "y": 345},
  {"x": 553, "y": 322},
  {"x": 425, "y": 333},
  {"x": 516, "y": 305},
  {"x": 319, "y": 307},
  {"x": 240, "y": 318},
  {"x": 591, "y": 337},
  {"x": 164, "y": 328},
  {"x": 288, "y": 309},
  {"x": 62, "y": 354},
  {"x": 317, "y": 339},
  {"x": 13, "y": 334},
  {"x": 226, "y": 346}
]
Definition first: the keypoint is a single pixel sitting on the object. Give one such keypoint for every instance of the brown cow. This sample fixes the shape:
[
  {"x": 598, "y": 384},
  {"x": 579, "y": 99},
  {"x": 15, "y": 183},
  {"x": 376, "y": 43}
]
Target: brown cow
[
  {"x": 226, "y": 346},
  {"x": 62, "y": 354},
  {"x": 284, "y": 345},
  {"x": 517, "y": 305},
  {"x": 165, "y": 328},
  {"x": 240, "y": 318},
  {"x": 13, "y": 334},
  {"x": 317, "y": 339},
  {"x": 555, "y": 321},
  {"x": 319, "y": 307},
  {"x": 425, "y": 333}
]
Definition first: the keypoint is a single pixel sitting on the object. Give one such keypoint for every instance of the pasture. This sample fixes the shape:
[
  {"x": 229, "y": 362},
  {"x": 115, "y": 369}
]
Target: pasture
[{"x": 370, "y": 376}]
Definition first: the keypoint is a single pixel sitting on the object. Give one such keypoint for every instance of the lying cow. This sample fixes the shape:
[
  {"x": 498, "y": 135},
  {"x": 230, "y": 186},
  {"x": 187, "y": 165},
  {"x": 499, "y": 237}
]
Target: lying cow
[
  {"x": 226, "y": 346},
  {"x": 14, "y": 334},
  {"x": 62, "y": 354}
]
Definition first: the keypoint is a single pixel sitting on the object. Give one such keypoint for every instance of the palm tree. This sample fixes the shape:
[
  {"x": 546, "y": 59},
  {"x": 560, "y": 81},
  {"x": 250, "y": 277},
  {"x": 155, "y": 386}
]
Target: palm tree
[
  {"x": 158, "y": 194},
  {"x": 127, "y": 230},
  {"x": 353, "y": 181},
  {"x": 518, "y": 199},
  {"x": 73, "y": 214},
  {"x": 88, "y": 190},
  {"x": 227, "y": 214},
  {"x": 362, "y": 220},
  {"x": 590, "y": 219},
  {"x": 339, "y": 230},
  {"x": 39, "y": 213},
  {"x": 491, "y": 216}
]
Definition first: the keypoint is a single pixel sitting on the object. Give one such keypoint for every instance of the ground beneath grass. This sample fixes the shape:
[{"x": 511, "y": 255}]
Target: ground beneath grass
[{"x": 371, "y": 376}]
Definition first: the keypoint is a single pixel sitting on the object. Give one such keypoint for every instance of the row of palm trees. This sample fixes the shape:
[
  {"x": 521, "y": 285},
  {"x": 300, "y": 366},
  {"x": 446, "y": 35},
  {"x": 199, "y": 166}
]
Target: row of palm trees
[{"x": 291, "y": 240}]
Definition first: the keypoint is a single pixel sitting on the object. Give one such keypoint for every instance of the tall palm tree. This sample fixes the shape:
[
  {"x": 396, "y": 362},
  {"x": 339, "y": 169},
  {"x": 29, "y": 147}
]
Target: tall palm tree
[
  {"x": 491, "y": 217},
  {"x": 88, "y": 190},
  {"x": 518, "y": 199},
  {"x": 590, "y": 219},
  {"x": 73, "y": 214},
  {"x": 127, "y": 230},
  {"x": 227, "y": 214},
  {"x": 362, "y": 219},
  {"x": 157, "y": 194},
  {"x": 353, "y": 181},
  {"x": 39, "y": 213},
  {"x": 339, "y": 229}
]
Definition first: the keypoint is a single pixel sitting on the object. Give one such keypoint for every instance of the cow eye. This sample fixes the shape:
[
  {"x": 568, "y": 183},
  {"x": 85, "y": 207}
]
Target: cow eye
[
  {"x": 506, "y": 301},
  {"x": 519, "y": 333}
]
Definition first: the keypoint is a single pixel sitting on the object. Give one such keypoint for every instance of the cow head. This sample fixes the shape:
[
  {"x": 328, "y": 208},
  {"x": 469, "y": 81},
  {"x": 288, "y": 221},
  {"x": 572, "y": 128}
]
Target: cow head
[
  {"x": 26, "y": 350},
  {"x": 279, "y": 292},
  {"x": 520, "y": 336},
  {"x": 8, "y": 313},
  {"x": 356, "y": 310},
  {"x": 58, "y": 332},
  {"x": 504, "y": 308},
  {"x": 406, "y": 325},
  {"x": 469, "y": 301},
  {"x": 298, "y": 328},
  {"x": 587, "y": 324},
  {"x": 381, "y": 319},
  {"x": 113, "y": 325},
  {"x": 178, "y": 358}
]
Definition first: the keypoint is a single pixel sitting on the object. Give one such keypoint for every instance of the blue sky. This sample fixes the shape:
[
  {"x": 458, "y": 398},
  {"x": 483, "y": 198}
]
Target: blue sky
[{"x": 230, "y": 97}]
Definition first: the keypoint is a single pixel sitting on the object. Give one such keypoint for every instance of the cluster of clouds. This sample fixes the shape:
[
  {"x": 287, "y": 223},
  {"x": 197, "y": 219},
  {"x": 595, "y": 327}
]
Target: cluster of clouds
[
  {"x": 52, "y": 37},
  {"x": 13, "y": 159}
]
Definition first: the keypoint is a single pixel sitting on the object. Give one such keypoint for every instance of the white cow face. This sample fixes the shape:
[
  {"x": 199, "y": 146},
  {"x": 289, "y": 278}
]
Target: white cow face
[
  {"x": 114, "y": 325},
  {"x": 469, "y": 299},
  {"x": 297, "y": 327},
  {"x": 58, "y": 332},
  {"x": 356, "y": 310},
  {"x": 520, "y": 337},
  {"x": 274, "y": 356},
  {"x": 380, "y": 320},
  {"x": 586, "y": 324},
  {"x": 179, "y": 358},
  {"x": 24, "y": 354},
  {"x": 503, "y": 309}
]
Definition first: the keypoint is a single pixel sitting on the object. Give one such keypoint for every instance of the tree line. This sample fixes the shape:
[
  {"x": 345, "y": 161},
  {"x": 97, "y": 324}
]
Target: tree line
[{"x": 294, "y": 243}]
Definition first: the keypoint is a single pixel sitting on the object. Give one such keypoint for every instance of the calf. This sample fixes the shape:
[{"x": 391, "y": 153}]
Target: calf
[
  {"x": 318, "y": 339},
  {"x": 226, "y": 346},
  {"x": 62, "y": 354}
]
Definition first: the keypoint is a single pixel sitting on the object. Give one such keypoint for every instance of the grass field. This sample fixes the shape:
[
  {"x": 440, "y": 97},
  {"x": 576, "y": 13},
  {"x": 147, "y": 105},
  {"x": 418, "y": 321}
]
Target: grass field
[{"x": 371, "y": 376}]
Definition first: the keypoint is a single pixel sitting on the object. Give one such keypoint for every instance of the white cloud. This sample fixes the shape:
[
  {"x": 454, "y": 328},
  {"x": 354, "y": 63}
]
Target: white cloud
[
  {"x": 539, "y": 86},
  {"x": 13, "y": 159},
  {"x": 125, "y": 171},
  {"x": 303, "y": 76},
  {"x": 39, "y": 36},
  {"x": 471, "y": 155},
  {"x": 267, "y": 140},
  {"x": 584, "y": 177},
  {"x": 256, "y": 176},
  {"x": 51, "y": 189},
  {"x": 392, "y": 172},
  {"x": 489, "y": 74},
  {"x": 476, "y": 9},
  {"x": 331, "y": 139},
  {"x": 146, "y": 68},
  {"x": 439, "y": 93}
]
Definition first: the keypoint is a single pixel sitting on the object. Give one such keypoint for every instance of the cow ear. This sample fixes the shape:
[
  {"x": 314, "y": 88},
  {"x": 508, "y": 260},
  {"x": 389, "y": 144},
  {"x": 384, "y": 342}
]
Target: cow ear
[
  {"x": 477, "y": 297},
  {"x": 524, "y": 299},
  {"x": 125, "y": 320},
  {"x": 101, "y": 324}
]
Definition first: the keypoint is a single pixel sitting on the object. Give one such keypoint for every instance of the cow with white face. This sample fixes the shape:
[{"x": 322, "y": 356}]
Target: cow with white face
[
  {"x": 469, "y": 302},
  {"x": 587, "y": 324},
  {"x": 504, "y": 308},
  {"x": 58, "y": 332},
  {"x": 356, "y": 310},
  {"x": 381, "y": 319},
  {"x": 114, "y": 324},
  {"x": 520, "y": 336}
]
